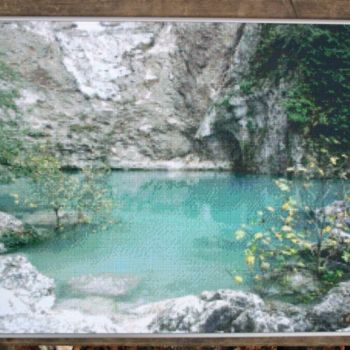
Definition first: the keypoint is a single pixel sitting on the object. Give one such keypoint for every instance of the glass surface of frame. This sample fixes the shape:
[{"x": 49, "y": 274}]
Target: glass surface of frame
[{"x": 174, "y": 177}]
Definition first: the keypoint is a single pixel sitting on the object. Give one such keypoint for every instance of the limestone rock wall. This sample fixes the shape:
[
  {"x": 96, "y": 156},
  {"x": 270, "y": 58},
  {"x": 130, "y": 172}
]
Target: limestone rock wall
[{"x": 143, "y": 95}]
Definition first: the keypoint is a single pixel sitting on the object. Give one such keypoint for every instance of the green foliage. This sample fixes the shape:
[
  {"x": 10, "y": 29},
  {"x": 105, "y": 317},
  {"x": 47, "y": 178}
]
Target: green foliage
[
  {"x": 84, "y": 196},
  {"x": 10, "y": 146},
  {"x": 317, "y": 58},
  {"x": 93, "y": 196},
  {"x": 11, "y": 149},
  {"x": 7, "y": 99},
  {"x": 52, "y": 188},
  {"x": 81, "y": 128},
  {"x": 247, "y": 86},
  {"x": 30, "y": 236},
  {"x": 7, "y": 95},
  {"x": 7, "y": 72}
]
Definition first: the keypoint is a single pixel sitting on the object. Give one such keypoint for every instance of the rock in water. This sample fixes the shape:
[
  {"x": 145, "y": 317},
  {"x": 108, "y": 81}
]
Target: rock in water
[
  {"x": 14, "y": 232},
  {"x": 11, "y": 231},
  {"x": 104, "y": 284},
  {"x": 10, "y": 224}
]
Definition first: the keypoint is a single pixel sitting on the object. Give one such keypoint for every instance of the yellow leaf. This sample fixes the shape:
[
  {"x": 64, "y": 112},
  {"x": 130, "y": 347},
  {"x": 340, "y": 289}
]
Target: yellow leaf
[
  {"x": 238, "y": 279},
  {"x": 288, "y": 220},
  {"x": 258, "y": 235},
  {"x": 333, "y": 160},
  {"x": 286, "y": 206},
  {"x": 250, "y": 260},
  {"x": 278, "y": 236},
  {"x": 286, "y": 228},
  {"x": 265, "y": 266},
  {"x": 284, "y": 187},
  {"x": 239, "y": 234},
  {"x": 307, "y": 245},
  {"x": 327, "y": 229}
]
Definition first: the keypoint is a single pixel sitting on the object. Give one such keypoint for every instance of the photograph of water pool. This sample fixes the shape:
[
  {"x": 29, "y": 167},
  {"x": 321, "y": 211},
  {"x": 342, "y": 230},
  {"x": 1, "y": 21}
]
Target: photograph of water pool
[{"x": 160, "y": 177}]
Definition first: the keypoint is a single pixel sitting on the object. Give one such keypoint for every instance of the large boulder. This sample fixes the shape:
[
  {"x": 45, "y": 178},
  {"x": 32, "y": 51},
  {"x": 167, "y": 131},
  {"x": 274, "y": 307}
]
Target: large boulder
[
  {"x": 226, "y": 311},
  {"x": 21, "y": 281},
  {"x": 103, "y": 284},
  {"x": 10, "y": 224},
  {"x": 27, "y": 299},
  {"x": 14, "y": 232},
  {"x": 333, "y": 311},
  {"x": 274, "y": 317}
]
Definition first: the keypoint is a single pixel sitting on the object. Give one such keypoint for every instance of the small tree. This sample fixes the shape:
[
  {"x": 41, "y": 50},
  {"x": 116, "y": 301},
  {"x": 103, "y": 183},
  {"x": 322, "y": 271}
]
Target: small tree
[
  {"x": 299, "y": 235},
  {"x": 83, "y": 195},
  {"x": 51, "y": 187},
  {"x": 92, "y": 198}
]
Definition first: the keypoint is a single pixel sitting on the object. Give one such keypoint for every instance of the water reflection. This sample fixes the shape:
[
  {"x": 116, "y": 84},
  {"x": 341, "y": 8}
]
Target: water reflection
[{"x": 173, "y": 230}]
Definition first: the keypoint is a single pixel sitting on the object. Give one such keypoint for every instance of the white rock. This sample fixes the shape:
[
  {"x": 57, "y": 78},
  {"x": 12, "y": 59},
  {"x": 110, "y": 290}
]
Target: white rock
[
  {"x": 11, "y": 305},
  {"x": 10, "y": 224},
  {"x": 33, "y": 289}
]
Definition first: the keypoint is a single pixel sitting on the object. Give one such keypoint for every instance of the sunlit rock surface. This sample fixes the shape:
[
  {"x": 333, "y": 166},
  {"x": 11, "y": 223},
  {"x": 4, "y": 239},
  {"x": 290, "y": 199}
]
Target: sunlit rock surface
[
  {"x": 146, "y": 95},
  {"x": 10, "y": 224},
  {"x": 333, "y": 311},
  {"x": 23, "y": 282}
]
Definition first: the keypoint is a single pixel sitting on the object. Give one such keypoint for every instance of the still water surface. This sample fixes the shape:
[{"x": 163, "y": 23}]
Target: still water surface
[{"x": 174, "y": 232}]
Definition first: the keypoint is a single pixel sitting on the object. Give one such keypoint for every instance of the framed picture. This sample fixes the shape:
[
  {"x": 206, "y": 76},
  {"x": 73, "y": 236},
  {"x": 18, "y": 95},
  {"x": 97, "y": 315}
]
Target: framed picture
[{"x": 169, "y": 180}]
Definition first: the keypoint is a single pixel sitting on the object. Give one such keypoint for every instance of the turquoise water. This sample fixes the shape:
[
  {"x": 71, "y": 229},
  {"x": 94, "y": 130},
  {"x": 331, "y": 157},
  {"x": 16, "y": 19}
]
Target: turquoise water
[{"x": 173, "y": 230}]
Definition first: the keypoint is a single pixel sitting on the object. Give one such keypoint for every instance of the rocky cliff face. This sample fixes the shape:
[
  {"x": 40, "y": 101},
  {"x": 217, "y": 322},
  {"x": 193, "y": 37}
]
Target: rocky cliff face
[{"x": 145, "y": 95}]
